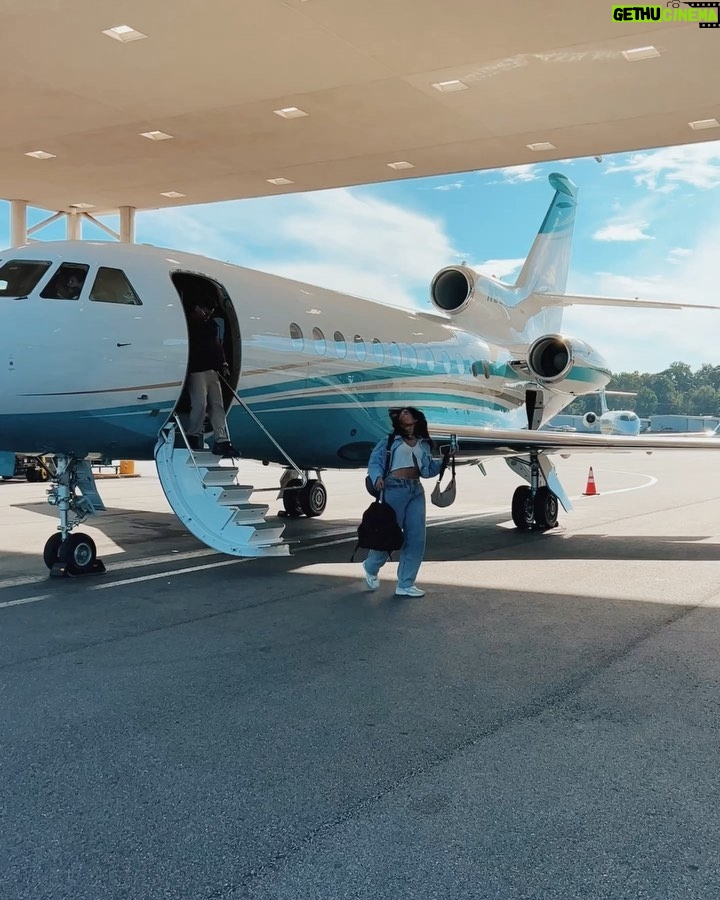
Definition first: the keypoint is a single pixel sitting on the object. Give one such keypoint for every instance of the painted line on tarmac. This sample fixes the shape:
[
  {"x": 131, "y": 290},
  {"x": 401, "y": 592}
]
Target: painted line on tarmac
[
  {"x": 24, "y": 600},
  {"x": 346, "y": 538},
  {"x": 22, "y": 580}
]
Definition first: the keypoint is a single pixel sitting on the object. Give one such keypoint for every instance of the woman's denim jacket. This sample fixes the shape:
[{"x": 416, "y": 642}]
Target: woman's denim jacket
[{"x": 429, "y": 467}]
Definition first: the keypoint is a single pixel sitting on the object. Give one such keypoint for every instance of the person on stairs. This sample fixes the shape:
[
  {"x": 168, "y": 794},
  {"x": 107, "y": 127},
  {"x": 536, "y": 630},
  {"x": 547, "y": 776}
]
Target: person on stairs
[{"x": 205, "y": 364}]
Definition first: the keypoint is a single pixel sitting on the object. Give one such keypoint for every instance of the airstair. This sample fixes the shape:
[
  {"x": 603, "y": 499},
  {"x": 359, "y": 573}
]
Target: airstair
[{"x": 205, "y": 495}]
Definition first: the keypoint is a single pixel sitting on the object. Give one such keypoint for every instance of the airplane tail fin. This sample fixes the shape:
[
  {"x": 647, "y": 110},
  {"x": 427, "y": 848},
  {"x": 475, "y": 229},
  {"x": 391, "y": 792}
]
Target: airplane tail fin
[{"x": 547, "y": 264}]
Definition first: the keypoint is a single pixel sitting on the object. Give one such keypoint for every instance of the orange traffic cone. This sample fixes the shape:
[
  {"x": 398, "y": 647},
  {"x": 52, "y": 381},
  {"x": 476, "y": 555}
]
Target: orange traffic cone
[{"x": 590, "y": 489}]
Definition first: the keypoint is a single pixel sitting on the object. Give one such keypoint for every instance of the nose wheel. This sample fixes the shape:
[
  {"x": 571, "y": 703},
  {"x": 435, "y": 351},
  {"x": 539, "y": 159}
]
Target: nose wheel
[{"x": 67, "y": 553}]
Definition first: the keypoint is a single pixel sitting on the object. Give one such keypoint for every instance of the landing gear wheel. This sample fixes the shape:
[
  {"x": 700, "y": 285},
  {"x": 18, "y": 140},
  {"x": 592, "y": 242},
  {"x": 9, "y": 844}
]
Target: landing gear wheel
[
  {"x": 313, "y": 498},
  {"x": 522, "y": 508},
  {"x": 291, "y": 499},
  {"x": 78, "y": 554},
  {"x": 52, "y": 549},
  {"x": 545, "y": 508}
]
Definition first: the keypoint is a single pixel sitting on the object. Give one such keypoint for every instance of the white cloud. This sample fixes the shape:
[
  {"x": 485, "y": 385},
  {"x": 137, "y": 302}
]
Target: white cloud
[
  {"x": 663, "y": 170},
  {"x": 455, "y": 186},
  {"x": 650, "y": 339},
  {"x": 623, "y": 231},
  {"x": 677, "y": 254},
  {"x": 521, "y": 174},
  {"x": 333, "y": 239},
  {"x": 499, "y": 268}
]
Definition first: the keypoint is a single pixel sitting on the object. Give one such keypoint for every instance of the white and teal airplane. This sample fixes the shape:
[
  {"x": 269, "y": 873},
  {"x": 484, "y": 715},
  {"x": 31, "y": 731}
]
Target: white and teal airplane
[
  {"x": 614, "y": 421},
  {"x": 100, "y": 372}
]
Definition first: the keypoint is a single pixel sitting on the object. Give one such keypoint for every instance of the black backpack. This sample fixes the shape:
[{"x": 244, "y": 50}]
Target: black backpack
[{"x": 379, "y": 529}]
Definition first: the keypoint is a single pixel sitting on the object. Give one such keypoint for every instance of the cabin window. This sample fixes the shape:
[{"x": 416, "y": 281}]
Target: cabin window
[
  {"x": 340, "y": 345},
  {"x": 112, "y": 286},
  {"x": 319, "y": 338},
  {"x": 446, "y": 364},
  {"x": 67, "y": 283},
  {"x": 378, "y": 351},
  {"x": 360, "y": 349},
  {"x": 395, "y": 354},
  {"x": 460, "y": 365},
  {"x": 18, "y": 277},
  {"x": 296, "y": 336},
  {"x": 409, "y": 356},
  {"x": 427, "y": 359}
]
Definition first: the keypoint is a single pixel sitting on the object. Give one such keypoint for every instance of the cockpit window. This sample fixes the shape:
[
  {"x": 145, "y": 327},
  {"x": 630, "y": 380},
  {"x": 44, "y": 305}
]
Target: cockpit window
[
  {"x": 67, "y": 283},
  {"x": 18, "y": 277},
  {"x": 112, "y": 286}
]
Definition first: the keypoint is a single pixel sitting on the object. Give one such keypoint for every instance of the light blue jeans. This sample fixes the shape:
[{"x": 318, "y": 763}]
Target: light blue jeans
[{"x": 407, "y": 498}]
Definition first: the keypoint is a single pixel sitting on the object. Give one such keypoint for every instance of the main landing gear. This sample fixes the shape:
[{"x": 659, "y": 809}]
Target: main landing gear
[
  {"x": 67, "y": 554},
  {"x": 534, "y": 505},
  {"x": 309, "y": 499}
]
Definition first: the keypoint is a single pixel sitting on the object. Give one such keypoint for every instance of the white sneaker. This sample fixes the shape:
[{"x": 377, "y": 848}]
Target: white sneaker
[
  {"x": 372, "y": 581},
  {"x": 412, "y": 591}
]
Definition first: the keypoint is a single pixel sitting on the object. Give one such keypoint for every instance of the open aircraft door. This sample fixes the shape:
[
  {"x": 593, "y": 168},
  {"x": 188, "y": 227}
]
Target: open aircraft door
[{"x": 201, "y": 489}]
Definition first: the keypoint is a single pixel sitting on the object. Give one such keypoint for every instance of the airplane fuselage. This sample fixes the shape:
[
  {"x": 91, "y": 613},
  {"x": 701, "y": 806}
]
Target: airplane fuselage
[{"x": 319, "y": 368}]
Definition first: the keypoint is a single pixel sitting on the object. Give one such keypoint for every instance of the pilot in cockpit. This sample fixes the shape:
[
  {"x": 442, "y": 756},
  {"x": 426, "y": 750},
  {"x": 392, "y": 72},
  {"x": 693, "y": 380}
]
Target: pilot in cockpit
[{"x": 68, "y": 284}]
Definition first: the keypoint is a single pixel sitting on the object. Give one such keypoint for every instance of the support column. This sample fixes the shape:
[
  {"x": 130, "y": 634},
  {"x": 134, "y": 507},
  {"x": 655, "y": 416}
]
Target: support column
[
  {"x": 18, "y": 223},
  {"x": 127, "y": 224},
  {"x": 74, "y": 226}
]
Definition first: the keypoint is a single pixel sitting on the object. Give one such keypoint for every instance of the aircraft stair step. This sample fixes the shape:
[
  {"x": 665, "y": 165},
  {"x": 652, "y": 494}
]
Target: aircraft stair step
[
  {"x": 263, "y": 533},
  {"x": 218, "y": 476},
  {"x": 207, "y": 499},
  {"x": 234, "y": 494}
]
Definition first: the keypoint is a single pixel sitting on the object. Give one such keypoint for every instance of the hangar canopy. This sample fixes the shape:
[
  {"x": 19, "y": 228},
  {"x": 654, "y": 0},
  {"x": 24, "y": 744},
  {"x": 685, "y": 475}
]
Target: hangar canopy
[{"x": 440, "y": 86}]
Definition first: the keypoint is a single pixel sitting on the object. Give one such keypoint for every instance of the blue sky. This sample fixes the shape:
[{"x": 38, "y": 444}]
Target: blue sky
[{"x": 648, "y": 225}]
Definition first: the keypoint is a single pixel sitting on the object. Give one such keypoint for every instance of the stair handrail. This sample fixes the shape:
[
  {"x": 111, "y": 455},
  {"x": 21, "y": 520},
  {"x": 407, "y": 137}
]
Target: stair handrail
[
  {"x": 293, "y": 464},
  {"x": 187, "y": 444}
]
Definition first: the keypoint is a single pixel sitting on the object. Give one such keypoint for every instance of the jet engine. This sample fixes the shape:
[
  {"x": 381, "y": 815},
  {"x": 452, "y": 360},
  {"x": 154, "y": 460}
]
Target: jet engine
[
  {"x": 566, "y": 364},
  {"x": 589, "y": 419},
  {"x": 452, "y": 288}
]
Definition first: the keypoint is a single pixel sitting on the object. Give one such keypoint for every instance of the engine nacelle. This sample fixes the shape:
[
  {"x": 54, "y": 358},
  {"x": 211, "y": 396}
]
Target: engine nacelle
[
  {"x": 589, "y": 419},
  {"x": 453, "y": 288},
  {"x": 567, "y": 365}
]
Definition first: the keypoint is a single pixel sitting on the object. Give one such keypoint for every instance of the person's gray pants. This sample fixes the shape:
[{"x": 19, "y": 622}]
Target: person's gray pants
[{"x": 206, "y": 399}]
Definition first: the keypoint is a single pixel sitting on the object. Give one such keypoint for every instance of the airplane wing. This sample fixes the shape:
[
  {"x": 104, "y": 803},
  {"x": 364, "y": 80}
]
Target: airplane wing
[
  {"x": 487, "y": 442},
  {"x": 589, "y": 300}
]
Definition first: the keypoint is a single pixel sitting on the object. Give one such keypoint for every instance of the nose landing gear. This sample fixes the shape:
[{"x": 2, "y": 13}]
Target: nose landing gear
[{"x": 66, "y": 554}]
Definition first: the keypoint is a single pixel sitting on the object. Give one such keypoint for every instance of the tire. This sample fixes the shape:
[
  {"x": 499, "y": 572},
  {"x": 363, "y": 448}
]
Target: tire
[
  {"x": 291, "y": 499},
  {"x": 52, "y": 549},
  {"x": 78, "y": 553},
  {"x": 545, "y": 508},
  {"x": 313, "y": 498},
  {"x": 522, "y": 510}
]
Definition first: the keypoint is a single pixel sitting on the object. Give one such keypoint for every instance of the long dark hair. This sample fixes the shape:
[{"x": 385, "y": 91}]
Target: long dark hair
[{"x": 421, "y": 425}]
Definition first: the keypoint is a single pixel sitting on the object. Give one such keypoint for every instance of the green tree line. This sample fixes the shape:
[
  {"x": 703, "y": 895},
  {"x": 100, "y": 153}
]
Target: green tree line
[{"x": 676, "y": 390}]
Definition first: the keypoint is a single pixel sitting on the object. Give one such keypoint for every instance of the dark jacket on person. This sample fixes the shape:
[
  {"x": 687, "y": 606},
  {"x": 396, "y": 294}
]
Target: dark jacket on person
[{"x": 206, "y": 352}]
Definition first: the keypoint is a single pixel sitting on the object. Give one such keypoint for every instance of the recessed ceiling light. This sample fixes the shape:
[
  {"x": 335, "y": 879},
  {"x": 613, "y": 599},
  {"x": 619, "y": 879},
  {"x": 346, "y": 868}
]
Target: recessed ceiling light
[
  {"x": 40, "y": 154},
  {"x": 124, "y": 33},
  {"x": 173, "y": 195},
  {"x": 640, "y": 53},
  {"x": 155, "y": 135},
  {"x": 279, "y": 181},
  {"x": 541, "y": 145},
  {"x": 447, "y": 87},
  {"x": 700, "y": 124},
  {"x": 290, "y": 112},
  {"x": 82, "y": 206},
  {"x": 403, "y": 164}
]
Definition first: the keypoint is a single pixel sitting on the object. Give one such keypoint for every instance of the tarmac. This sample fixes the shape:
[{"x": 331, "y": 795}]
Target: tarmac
[{"x": 544, "y": 723}]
